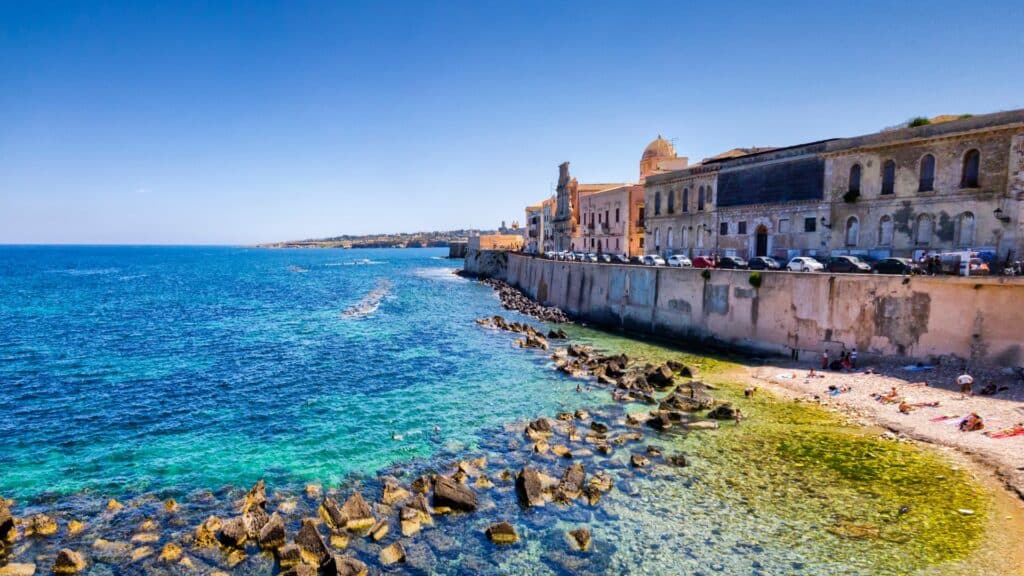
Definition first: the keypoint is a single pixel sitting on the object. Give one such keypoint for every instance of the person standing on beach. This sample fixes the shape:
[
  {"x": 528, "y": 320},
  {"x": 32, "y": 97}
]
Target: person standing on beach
[
  {"x": 824, "y": 360},
  {"x": 853, "y": 358},
  {"x": 966, "y": 382}
]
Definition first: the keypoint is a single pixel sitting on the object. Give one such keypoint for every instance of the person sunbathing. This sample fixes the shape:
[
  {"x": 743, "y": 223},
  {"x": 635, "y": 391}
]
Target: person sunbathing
[
  {"x": 972, "y": 423},
  {"x": 891, "y": 398},
  {"x": 1015, "y": 430}
]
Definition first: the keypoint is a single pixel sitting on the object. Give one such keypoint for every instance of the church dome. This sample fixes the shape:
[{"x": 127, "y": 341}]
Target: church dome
[{"x": 659, "y": 148}]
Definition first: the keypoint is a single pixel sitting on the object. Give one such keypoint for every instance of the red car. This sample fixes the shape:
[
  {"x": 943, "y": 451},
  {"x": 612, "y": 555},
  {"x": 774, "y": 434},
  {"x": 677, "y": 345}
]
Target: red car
[{"x": 703, "y": 262}]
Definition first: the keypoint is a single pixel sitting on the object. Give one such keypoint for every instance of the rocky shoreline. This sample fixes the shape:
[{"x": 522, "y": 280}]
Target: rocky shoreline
[
  {"x": 514, "y": 299},
  {"x": 566, "y": 460}
]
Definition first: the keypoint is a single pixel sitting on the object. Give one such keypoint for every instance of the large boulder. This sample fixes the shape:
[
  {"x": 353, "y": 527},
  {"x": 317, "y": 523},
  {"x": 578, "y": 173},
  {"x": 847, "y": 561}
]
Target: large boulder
[
  {"x": 502, "y": 533},
  {"x": 272, "y": 535},
  {"x": 451, "y": 494},
  {"x": 530, "y": 488},
  {"x": 723, "y": 412},
  {"x": 393, "y": 492},
  {"x": 233, "y": 532},
  {"x": 69, "y": 562},
  {"x": 539, "y": 428},
  {"x": 255, "y": 519},
  {"x": 7, "y": 530},
  {"x": 659, "y": 376},
  {"x": 571, "y": 485},
  {"x": 392, "y": 554},
  {"x": 330, "y": 512},
  {"x": 256, "y": 497},
  {"x": 339, "y": 565},
  {"x": 357, "y": 513},
  {"x": 311, "y": 543}
]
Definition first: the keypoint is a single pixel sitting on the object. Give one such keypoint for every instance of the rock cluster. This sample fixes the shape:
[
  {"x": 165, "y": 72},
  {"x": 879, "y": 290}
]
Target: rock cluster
[{"x": 514, "y": 299}]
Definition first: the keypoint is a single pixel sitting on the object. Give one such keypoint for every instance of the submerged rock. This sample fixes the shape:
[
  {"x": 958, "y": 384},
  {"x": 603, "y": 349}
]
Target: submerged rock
[
  {"x": 357, "y": 513},
  {"x": 579, "y": 539},
  {"x": 453, "y": 495},
  {"x": 69, "y": 562},
  {"x": 392, "y": 554},
  {"x": 171, "y": 552},
  {"x": 502, "y": 533},
  {"x": 206, "y": 533},
  {"x": 233, "y": 533},
  {"x": 18, "y": 569}
]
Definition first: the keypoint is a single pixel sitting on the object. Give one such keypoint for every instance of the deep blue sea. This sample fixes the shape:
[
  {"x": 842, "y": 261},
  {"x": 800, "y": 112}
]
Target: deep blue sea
[{"x": 138, "y": 368}]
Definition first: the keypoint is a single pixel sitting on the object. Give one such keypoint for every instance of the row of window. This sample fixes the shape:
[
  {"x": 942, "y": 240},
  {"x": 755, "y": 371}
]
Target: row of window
[
  {"x": 810, "y": 225},
  {"x": 924, "y": 230},
  {"x": 685, "y": 198},
  {"x": 599, "y": 220},
  {"x": 969, "y": 174}
]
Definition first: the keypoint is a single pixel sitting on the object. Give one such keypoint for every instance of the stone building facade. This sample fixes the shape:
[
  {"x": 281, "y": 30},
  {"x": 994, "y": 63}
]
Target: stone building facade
[
  {"x": 954, "y": 185},
  {"x": 539, "y": 227},
  {"x": 610, "y": 221}
]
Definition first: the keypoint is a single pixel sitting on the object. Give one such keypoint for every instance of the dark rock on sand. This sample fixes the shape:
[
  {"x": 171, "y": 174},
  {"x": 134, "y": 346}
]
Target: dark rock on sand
[
  {"x": 723, "y": 412},
  {"x": 580, "y": 539},
  {"x": 338, "y": 565}
]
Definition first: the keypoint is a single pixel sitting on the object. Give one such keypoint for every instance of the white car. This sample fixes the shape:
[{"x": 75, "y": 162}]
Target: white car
[
  {"x": 653, "y": 260},
  {"x": 679, "y": 261},
  {"x": 621, "y": 259},
  {"x": 590, "y": 257},
  {"x": 805, "y": 264}
]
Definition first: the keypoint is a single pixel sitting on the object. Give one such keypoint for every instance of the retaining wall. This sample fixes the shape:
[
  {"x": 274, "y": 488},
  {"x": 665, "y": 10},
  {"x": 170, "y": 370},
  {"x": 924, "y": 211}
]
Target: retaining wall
[{"x": 981, "y": 319}]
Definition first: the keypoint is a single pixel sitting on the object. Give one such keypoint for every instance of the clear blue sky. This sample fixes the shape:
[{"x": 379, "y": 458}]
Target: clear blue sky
[{"x": 228, "y": 122}]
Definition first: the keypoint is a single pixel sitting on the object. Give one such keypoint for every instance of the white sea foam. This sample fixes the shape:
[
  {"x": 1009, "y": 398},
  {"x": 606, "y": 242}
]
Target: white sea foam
[
  {"x": 360, "y": 262},
  {"x": 370, "y": 302},
  {"x": 84, "y": 271}
]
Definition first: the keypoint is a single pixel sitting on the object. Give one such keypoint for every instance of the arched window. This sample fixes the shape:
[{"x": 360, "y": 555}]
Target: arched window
[
  {"x": 923, "y": 237},
  {"x": 889, "y": 177},
  {"x": 686, "y": 199},
  {"x": 700, "y": 236},
  {"x": 969, "y": 177},
  {"x": 885, "y": 231},
  {"x": 669, "y": 240},
  {"x": 852, "y": 231},
  {"x": 926, "y": 182},
  {"x": 966, "y": 230},
  {"x": 671, "y": 202},
  {"x": 657, "y": 240},
  {"x": 657, "y": 203},
  {"x": 700, "y": 198},
  {"x": 854, "y": 179},
  {"x": 685, "y": 234}
]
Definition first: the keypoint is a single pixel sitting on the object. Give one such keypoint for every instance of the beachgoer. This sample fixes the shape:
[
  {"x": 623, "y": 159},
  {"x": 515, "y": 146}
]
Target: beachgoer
[
  {"x": 812, "y": 374},
  {"x": 737, "y": 415},
  {"x": 578, "y": 389},
  {"x": 824, "y": 360},
  {"x": 853, "y": 358},
  {"x": 905, "y": 408},
  {"x": 966, "y": 382},
  {"x": 971, "y": 423}
]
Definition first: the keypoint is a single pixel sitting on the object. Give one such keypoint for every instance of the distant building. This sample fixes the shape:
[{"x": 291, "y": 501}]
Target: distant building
[
  {"x": 610, "y": 221},
  {"x": 539, "y": 227}
]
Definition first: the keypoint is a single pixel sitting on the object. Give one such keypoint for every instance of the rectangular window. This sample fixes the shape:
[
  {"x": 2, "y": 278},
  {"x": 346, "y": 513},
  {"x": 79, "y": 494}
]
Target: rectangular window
[
  {"x": 783, "y": 225},
  {"x": 810, "y": 224},
  {"x": 616, "y": 215},
  {"x": 723, "y": 229},
  {"x": 742, "y": 228},
  {"x": 606, "y": 218}
]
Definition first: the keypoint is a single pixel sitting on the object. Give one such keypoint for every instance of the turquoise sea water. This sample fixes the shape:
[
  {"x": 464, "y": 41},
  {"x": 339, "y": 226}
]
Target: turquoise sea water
[
  {"x": 136, "y": 368},
  {"x": 144, "y": 373}
]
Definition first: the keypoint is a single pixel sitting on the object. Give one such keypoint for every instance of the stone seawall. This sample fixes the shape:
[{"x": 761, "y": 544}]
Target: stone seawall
[{"x": 981, "y": 319}]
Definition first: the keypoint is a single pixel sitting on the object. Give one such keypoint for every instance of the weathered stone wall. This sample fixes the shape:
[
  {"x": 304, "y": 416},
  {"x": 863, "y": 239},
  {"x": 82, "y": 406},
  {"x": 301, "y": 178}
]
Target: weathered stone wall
[
  {"x": 970, "y": 318},
  {"x": 486, "y": 263}
]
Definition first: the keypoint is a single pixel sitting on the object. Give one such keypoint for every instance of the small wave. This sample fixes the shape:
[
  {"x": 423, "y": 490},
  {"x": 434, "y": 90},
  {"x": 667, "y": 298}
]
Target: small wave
[
  {"x": 85, "y": 271},
  {"x": 444, "y": 274},
  {"x": 297, "y": 269},
  {"x": 131, "y": 277},
  {"x": 360, "y": 262},
  {"x": 370, "y": 302}
]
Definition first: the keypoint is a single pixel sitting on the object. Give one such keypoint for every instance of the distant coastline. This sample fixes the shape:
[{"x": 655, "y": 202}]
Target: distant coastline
[{"x": 440, "y": 239}]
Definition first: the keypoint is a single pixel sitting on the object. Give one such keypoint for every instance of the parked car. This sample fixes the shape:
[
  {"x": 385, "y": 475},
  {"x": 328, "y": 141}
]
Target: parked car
[
  {"x": 847, "y": 264},
  {"x": 732, "y": 263},
  {"x": 703, "y": 262},
  {"x": 653, "y": 260},
  {"x": 620, "y": 258},
  {"x": 679, "y": 261},
  {"x": 896, "y": 266},
  {"x": 590, "y": 257},
  {"x": 605, "y": 257},
  {"x": 763, "y": 263},
  {"x": 805, "y": 264},
  {"x": 638, "y": 260}
]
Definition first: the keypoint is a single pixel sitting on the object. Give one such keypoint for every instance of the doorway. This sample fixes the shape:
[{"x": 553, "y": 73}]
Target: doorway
[{"x": 761, "y": 242}]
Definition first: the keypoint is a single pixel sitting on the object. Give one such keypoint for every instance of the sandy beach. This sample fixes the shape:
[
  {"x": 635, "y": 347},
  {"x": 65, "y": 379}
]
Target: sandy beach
[{"x": 918, "y": 385}]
